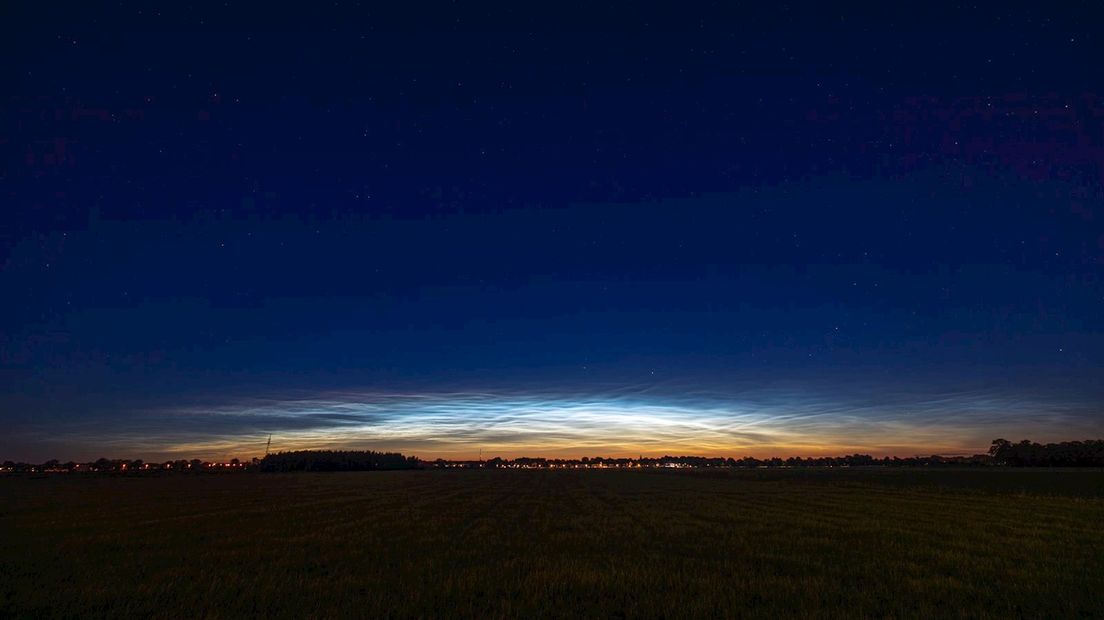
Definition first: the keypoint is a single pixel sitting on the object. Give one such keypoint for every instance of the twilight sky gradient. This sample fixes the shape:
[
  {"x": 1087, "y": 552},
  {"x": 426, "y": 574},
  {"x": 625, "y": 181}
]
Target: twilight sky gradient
[{"x": 794, "y": 232}]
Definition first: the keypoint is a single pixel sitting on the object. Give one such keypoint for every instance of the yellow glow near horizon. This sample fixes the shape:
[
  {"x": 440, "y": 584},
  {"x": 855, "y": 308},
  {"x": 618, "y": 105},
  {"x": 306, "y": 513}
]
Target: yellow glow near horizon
[{"x": 460, "y": 425}]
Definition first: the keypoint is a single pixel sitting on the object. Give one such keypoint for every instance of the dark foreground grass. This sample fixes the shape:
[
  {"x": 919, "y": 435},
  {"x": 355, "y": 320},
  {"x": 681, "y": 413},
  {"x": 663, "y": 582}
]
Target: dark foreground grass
[{"x": 836, "y": 543}]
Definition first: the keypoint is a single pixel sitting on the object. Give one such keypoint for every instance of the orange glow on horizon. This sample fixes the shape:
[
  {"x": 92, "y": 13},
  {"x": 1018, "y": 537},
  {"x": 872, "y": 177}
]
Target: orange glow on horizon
[{"x": 460, "y": 426}]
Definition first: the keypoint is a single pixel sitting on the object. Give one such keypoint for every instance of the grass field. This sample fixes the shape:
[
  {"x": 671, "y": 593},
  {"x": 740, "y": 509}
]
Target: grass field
[{"x": 835, "y": 543}]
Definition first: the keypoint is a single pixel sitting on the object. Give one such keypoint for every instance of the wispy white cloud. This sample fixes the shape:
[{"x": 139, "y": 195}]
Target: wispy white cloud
[{"x": 777, "y": 420}]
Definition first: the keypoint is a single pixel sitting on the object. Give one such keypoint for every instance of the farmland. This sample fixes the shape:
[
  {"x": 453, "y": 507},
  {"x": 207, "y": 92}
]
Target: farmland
[{"x": 984, "y": 542}]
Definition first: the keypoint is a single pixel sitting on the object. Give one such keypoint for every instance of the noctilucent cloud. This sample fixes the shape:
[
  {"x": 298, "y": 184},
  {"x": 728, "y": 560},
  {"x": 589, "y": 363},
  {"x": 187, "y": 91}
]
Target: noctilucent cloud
[{"x": 795, "y": 233}]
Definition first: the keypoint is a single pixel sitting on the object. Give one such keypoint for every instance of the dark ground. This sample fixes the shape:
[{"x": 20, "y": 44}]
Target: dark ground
[{"x": 769, "y": 543}]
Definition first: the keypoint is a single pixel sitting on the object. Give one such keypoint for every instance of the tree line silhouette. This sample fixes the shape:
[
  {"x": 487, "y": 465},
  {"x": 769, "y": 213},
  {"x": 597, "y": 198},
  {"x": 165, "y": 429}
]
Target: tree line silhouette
[
  {"x": 1026, "y": 453},
  {"x": 126, "y": 465},
  {"x": 336, "y": 460}
]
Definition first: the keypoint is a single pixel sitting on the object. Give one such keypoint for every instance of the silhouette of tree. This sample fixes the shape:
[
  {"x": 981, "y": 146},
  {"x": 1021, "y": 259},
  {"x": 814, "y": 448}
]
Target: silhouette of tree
[{"x": 336, "y": 460}]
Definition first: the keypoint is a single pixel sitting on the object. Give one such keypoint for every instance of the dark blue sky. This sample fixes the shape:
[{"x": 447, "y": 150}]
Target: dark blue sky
[{"x": 710, "y": 230}]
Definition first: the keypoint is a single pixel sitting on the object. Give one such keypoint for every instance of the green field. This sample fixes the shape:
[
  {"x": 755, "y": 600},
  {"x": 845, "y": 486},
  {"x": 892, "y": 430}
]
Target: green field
[{"x": 769, "y": 543}]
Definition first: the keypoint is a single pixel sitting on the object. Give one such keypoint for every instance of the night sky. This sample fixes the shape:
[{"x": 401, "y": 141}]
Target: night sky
[{"x": 567, "y": 232}]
